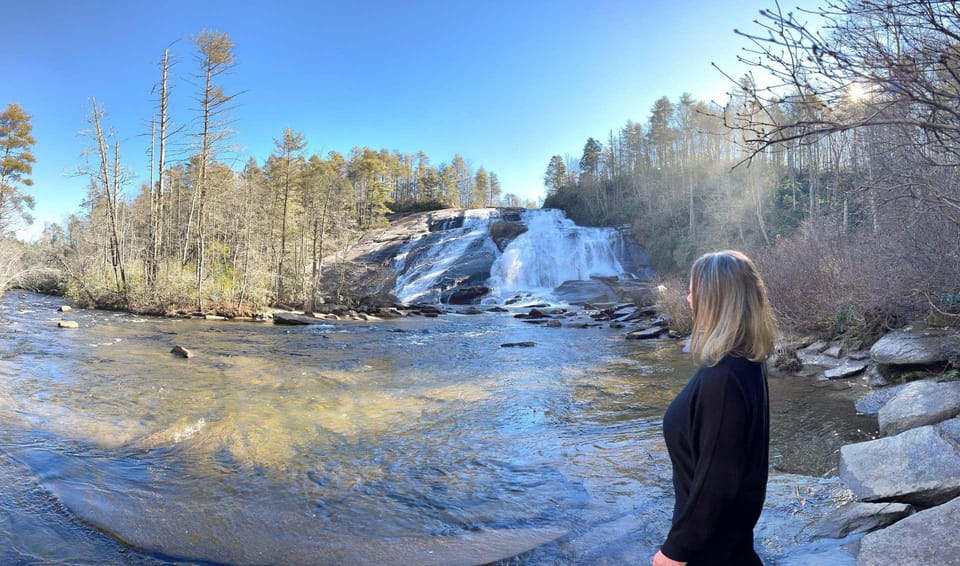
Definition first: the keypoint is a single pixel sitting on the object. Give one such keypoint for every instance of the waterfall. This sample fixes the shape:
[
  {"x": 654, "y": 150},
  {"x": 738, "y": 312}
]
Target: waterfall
[
  {"x": 459, "y": 254},
  {"x": 554, "y": 250},
  {"x": 428, "y": 265}
]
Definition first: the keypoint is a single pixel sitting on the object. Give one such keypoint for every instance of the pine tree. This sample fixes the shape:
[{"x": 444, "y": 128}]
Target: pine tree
[{"x": 16, "y": 164}]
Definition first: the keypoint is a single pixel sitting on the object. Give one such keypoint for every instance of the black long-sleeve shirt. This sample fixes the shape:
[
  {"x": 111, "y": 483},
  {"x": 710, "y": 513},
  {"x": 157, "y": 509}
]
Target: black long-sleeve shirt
[{"x": 717, "y": 432}]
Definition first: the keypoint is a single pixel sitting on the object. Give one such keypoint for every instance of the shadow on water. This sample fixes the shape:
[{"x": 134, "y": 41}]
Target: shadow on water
[{"x": 411, "y": 441}]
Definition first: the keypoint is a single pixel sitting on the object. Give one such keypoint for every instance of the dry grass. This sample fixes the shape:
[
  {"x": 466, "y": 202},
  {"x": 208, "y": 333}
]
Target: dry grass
[{"x": 672, "y": 304}]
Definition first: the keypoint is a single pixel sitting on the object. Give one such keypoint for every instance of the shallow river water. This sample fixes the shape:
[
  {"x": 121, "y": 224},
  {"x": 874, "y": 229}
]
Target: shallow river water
[{"x": 416, "y": 441}]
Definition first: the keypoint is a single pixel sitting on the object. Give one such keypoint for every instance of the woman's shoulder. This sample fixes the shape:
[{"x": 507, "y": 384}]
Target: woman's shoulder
[{"x": 729, "y": 368}]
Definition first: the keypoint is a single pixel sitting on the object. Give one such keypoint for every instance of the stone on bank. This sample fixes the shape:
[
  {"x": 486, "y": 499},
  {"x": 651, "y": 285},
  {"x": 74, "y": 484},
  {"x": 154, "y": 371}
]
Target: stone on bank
[
  {"x": 928, "y": 537},
  {"x": 919, "y": 403},
  {"x": 919, "y": 466}
]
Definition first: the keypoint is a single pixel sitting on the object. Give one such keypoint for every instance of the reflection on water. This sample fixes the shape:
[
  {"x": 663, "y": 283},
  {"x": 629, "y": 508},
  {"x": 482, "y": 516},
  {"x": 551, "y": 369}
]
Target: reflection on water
[{"x": 356, "y": 443}]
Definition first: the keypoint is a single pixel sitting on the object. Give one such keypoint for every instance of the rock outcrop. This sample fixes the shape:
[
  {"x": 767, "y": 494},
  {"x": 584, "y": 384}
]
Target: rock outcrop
[
  {"x": 928, "y": 537},
  {"x": 919, "y": 466},
  {"x": 919, "y": 403},
  {"x": 447, "y": 256},
  {"x": 916, "y": 344}
]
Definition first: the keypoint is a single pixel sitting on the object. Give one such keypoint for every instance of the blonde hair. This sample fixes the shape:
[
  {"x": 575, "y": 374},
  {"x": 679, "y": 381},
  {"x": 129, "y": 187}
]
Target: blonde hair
[{"x": 731, "y": 313}]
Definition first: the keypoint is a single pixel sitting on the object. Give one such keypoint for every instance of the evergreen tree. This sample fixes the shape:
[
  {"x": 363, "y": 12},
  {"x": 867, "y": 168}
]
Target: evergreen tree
[
  {"x": 556, "y": 175},
  {"x": 16, "y": 164}
]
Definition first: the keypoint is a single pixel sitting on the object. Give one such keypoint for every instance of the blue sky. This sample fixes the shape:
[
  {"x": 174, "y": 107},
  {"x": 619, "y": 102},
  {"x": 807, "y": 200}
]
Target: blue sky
[{"x": 505, "y": 84}]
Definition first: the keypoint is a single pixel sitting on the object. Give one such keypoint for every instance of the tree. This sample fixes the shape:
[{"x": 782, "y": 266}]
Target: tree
[
  {"x": 481, "y": 189},
  {"x": 494, "y": 189},
  {"x": 556, "y": 176},
  {"x": 901, "y": 59},
  {"x": 284, "y": 172},
  {"x": 16, "y": 165},
  {"x": 215, "y": 59},
  {"x": 107, "y": 182},
  {"x": 157, "y": 191}
]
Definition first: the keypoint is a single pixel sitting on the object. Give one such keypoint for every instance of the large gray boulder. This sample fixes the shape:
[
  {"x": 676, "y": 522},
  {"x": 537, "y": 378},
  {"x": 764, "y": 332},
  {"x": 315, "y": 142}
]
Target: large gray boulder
[
  {"x": 919, "y": 403},
  {"x": 928, "y": 537},
  {"x": 917, "y": 344},
  {"x": 919, "y": 466}
]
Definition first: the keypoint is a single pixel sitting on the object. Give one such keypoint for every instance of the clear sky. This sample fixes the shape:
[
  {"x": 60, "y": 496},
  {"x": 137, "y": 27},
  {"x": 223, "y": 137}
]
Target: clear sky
[{"x": 506, "y": 84}]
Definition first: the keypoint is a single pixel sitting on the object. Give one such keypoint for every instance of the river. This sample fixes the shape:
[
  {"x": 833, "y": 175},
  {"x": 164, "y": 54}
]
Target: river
[{"x": 408, "y": 441}]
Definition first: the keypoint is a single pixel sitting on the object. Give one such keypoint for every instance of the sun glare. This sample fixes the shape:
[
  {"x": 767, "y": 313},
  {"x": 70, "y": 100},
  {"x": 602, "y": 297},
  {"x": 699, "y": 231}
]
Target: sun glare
[{"x": 857, "y": 92}]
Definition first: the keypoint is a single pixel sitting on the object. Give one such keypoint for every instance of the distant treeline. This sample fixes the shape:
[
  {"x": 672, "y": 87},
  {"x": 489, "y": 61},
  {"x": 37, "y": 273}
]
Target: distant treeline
[{"x": 200, "y": 235}]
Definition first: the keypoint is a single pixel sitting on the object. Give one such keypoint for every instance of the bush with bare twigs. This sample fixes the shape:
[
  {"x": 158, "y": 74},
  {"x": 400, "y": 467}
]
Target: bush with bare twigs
[{"x": 672, "y": 304}]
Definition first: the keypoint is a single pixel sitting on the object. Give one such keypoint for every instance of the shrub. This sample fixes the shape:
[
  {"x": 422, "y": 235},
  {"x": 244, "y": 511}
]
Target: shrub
[{"x": 672, "y": 303}]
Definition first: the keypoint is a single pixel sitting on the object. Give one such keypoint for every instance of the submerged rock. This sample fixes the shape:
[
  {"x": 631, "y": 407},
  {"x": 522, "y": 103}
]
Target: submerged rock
[
  {"x": 919, "y": 403},
  {"x": 68, "y": 324},
  {"x": 928, "y": 537},
  {"x": 179, "y": 350},
  {"x": 518, "y": 345}
]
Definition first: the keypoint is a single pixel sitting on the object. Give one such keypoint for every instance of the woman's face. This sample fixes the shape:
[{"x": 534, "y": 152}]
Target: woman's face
[{"x": 690, "y": 296}]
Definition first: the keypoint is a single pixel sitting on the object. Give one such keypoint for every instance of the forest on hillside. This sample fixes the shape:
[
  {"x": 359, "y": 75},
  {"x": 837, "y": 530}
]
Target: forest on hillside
[
  {"x": 201, "y": 235},
  {"x": 840, "y": 177}
]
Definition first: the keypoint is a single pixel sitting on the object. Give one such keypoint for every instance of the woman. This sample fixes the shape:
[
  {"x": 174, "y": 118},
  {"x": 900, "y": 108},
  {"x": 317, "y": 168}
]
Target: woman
[{"x": 717, "y": 430}]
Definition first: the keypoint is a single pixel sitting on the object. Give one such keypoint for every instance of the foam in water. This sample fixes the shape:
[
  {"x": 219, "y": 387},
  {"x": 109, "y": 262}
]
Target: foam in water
[{"x": 554, "y": 250}]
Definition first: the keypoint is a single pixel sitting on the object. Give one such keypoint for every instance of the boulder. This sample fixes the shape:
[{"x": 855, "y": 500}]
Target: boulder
[
  {"x": 876, "y": 379},
  {"x": 214, "y": 317},
  {"x": 871, "y": 404},
  {"x": 834, "y": 351},
  {"x": 918, "y": 466},
  {"x": 645, "y": 334},
  {"x": 813, "y": 358},
  {"x": 294, "y": 319},
  {"x": 919, "y": 403},
  {"x": 68, "y": 324},
  {"x": 179, "y": 350},
  {"x": 817, "y": 347},
  {"x": 554, "y": 324},
  {"x": 465, "y": 295},
  {"x": 951, "y": 430},
  {"x": 917, "y": 344},
  {"x": 928, "y": 537},
  {"x": 65, "y": 308},
  {"x": 848, "y": 369},
  {"x": 857, "y": 517}
]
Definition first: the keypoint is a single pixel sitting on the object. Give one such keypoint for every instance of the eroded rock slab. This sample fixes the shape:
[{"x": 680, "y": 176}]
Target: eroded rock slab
[
  {"x": 849, "y": 369},
  {"x": 919, "y": 403},
  {"x": 915, "y": 345},
  {"x": 918, "y": 466},
  {"x": 857, "y": 517},
  {"x": 928, "y": 537}
]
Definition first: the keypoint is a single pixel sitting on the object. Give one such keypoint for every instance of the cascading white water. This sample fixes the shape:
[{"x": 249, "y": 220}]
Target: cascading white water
[
  {"x": 420, "y": 275},
  {"x": 554, "y": 250}
]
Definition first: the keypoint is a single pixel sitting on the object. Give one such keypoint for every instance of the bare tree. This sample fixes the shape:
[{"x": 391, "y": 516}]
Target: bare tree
[{"x": 215, "y": 58}]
